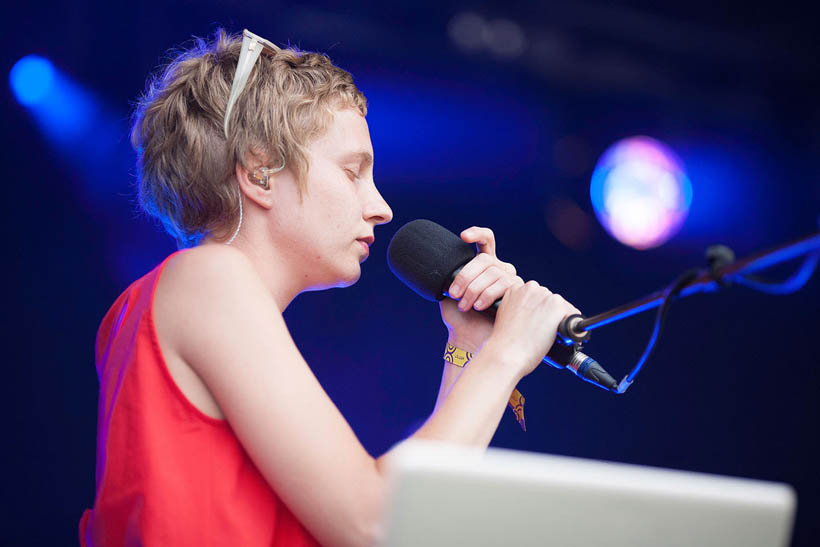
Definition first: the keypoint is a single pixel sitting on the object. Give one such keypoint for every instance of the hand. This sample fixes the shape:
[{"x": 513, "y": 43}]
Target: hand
[
  {"x": 481, "y": 282},
  {"x": 526, "y": 324}
]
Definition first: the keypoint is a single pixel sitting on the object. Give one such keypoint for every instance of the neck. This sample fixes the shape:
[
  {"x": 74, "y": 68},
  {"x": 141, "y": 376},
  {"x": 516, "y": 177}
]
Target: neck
[{"x": 282, "y": 280}]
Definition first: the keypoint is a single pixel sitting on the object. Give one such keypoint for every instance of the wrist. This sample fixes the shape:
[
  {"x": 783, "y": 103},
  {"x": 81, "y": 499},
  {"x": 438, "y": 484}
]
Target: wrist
[
  {"x": 503, "y": 358},
  {"x": 464, "y": 342}
]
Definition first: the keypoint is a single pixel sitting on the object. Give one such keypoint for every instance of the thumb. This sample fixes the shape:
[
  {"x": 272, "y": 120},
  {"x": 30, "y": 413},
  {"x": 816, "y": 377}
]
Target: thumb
[{"x": 483, "y": 237}]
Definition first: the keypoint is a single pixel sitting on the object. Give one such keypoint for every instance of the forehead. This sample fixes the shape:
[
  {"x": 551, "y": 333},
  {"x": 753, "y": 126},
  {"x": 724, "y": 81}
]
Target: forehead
[{"x": 346, "y": 134}]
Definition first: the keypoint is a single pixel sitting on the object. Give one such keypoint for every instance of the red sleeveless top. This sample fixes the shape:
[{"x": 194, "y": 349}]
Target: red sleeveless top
[{"x": 168, "y": 474}]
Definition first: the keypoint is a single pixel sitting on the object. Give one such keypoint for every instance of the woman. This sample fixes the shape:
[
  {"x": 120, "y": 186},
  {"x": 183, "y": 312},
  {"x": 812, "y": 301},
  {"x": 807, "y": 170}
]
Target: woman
[{"x": 212, "y": 429}]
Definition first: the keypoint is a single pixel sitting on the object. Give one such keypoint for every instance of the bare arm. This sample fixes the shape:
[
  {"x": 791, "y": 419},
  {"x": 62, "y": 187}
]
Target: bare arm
[
  {"x": 449, "y": 376},
  {"x": 470, "y": 412},
  {"x": 226, "y": 326}
]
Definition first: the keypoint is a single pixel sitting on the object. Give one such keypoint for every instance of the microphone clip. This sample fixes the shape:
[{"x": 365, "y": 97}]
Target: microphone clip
[{"x": 569, "y": 333}]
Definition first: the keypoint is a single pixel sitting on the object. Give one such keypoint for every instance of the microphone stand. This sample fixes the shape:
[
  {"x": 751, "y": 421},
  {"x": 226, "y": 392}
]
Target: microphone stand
[{"x": 722, "y": 271}]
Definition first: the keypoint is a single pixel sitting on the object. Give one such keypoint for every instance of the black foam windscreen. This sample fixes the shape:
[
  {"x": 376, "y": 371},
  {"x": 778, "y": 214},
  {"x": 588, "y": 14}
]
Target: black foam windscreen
[{"x": 424, "y": 255}]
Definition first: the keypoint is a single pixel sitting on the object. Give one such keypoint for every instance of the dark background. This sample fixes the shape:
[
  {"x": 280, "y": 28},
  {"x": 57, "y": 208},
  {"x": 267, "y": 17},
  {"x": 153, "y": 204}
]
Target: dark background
[{"x": 465, "y": 132}]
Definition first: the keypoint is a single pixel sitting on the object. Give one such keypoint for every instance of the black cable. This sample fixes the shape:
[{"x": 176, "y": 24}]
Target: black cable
[
  {"x": 718, "y": 256},
  {"x": 660, "y": 318}
]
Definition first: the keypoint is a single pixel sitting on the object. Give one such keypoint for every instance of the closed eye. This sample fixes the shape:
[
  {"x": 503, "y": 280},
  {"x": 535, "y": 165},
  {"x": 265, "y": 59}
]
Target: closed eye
[{"x": 352, "y": 175}]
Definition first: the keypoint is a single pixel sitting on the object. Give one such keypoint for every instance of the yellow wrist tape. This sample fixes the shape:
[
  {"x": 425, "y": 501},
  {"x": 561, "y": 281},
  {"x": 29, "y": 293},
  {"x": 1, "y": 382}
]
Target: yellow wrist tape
[
  {"x": 460, "y": 357},
  {"x": 457, "y": 356}
]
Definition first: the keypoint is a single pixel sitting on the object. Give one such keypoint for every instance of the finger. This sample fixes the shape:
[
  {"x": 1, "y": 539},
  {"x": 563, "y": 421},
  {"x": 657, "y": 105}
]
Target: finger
[
  {"x": 559, "y": 308},
  {"x": 508, "y": 267},
  {"x": 537, "y": 292},
  {"x": 483, "y": 237},
  {"x": 571, "y": 310},
  {"x": 495, "y": 291},
  {"x": 565, "y": 307},
  {"x": 469, "y": 272},
  {"x": 479, "y": 285}
]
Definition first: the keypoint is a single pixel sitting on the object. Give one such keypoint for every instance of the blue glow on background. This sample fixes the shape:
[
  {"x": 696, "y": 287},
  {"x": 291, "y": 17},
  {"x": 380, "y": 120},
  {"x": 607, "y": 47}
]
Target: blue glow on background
[
  {"x": 66, "y": 113},
  {"x": 640, "y": 192},
  {"x": 736, "y": 196},
  {"x": 436, "y": 131},
  {"x": 32, "y": 79},
  {"x": 63, "y": 110},
  {"x": 91, "y": 139}
]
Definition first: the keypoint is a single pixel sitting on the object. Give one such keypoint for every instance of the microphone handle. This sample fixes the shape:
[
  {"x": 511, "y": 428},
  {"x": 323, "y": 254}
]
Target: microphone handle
[{"x": 564, "y": 354}]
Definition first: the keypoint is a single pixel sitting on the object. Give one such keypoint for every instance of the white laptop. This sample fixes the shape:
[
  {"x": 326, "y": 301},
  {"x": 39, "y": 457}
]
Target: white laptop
[{"x": 443, "y": 494}]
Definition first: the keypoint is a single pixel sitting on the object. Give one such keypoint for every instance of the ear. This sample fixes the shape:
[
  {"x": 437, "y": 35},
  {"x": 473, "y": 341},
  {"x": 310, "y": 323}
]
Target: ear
[{"x": 252, "y": 188}]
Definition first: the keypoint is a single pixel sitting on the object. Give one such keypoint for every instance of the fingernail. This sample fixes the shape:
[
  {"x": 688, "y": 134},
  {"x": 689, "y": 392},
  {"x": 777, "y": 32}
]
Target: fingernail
[
  {"x": 454, "y": 290},
  {"x": 461, "y": 306},
  {"x": 478, "y": 304}
]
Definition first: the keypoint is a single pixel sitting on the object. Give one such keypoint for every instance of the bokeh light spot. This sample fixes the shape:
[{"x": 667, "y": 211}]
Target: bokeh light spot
[
  {"x": 640, "y": 192},
  {"x": 31, "y": 78}
]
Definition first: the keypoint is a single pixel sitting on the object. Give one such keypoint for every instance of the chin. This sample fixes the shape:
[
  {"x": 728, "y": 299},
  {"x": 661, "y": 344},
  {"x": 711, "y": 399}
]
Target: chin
[
  {"x": 350, "y": 278},
  {"x": 339, "y": 280}
]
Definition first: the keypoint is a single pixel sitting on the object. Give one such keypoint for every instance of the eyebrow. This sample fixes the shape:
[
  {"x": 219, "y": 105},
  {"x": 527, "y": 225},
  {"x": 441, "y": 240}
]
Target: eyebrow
[{"x": 366, "y": 158}]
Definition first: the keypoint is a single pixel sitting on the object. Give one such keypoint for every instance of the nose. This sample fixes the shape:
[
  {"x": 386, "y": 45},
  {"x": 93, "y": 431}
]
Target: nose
[{"x": 377, "y": 209}]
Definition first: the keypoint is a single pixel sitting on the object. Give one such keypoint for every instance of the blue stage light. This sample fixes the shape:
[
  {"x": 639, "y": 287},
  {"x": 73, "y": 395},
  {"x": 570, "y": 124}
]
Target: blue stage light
[
  {"x": 64, "y": 110},
  {"x": 640, "y": 192},
  {"x": 74, "y": 121},
  {"x": 32, "y": 79}
]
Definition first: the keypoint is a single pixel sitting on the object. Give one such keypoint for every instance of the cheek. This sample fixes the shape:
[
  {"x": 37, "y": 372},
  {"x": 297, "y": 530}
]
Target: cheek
[{"x": 341, "y": 209}]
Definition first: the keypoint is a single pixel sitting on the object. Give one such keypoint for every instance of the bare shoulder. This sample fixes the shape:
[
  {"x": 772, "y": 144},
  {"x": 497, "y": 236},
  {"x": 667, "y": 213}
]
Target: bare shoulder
[
  {"x": 204, "y": 292},
  {"x": 206, "y": 267},
  {"x": 208, "y": 277},
  {"x": 200, "y": 298},
  {"x": 237, "y": 361}
]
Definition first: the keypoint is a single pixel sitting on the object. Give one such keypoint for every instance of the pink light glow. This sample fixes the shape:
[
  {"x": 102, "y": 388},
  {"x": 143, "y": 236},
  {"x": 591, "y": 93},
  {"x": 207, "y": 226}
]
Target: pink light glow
[{"x": 640, "y": 192}]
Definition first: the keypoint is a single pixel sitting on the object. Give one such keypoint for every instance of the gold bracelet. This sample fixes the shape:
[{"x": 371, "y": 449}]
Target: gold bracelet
[{"x": 460, "y": 357}]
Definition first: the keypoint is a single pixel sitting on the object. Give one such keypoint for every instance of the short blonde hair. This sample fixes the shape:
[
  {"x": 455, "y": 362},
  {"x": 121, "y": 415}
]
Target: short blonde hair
[{"x": 186, "y": 166}]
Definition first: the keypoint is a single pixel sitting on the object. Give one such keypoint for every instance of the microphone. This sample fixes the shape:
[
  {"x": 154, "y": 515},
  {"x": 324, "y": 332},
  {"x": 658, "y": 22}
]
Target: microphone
[{"x": 427, "y": 257}]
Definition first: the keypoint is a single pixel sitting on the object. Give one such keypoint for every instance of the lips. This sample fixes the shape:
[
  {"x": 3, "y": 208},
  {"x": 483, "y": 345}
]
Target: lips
[
  {"x": 366, "y": 248},
  {"x": 366, "y": 242}
]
